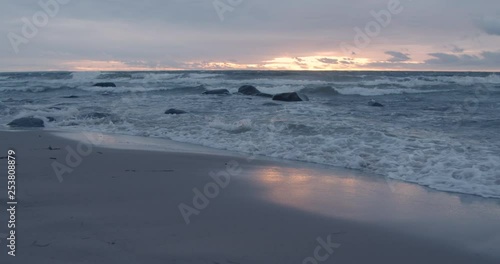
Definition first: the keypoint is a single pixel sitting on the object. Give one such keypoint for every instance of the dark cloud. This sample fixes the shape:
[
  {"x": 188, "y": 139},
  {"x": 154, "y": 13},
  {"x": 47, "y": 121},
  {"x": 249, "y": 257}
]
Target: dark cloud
[
  {"x": 347, "y": 61},
  {"x": 298, "y": 60},
  {"x": 301, "y": 62},
  {"x": 446, "y": 61},
  {"x": 453, "y": 48},
  {"x": 490, "y": 25},
  {"x": 484, "y": 60},
  {"x": 329, "y": 61},
  {"x": 397, "y": 56}
]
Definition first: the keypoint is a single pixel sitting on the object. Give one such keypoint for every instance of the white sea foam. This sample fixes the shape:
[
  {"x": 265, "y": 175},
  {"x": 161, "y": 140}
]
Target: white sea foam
[
  {"x": 437, "y": 162},
  {"x": 155, "y": 76},
  {"x": 380, "y": 91},
  {"x": 419, "y": 81},
  {"x": 150, "y": 82}
]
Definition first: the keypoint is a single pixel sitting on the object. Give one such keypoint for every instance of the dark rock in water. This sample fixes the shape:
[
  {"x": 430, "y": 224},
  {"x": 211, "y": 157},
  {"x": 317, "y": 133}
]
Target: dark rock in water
[
  {"x": 248, "y": 90},
  {"x": 51, "y": 119},
  {"x": 71, "y": 97},
  {"x": 175, "y": 112},
  {"x": 290, "y": 97},
  {"x": 105, "y": 84},
  {"x": 264, "y": 95},
  {"x": 218, "y": 92},
  {"x": 96, "y": 115},
  {"x": 375, "y": 104},
  {"x": 27, "y": 122},
  {"x": 251, "y": 90},
  {"x": 271, "y": 104}
]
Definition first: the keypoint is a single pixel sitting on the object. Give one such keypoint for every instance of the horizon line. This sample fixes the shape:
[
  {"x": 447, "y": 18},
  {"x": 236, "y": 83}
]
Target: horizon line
[{"x": 253, "y": 70}]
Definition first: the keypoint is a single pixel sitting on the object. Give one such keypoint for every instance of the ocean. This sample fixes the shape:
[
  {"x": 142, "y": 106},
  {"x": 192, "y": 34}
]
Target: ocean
[{"x": 436, "y": 129}]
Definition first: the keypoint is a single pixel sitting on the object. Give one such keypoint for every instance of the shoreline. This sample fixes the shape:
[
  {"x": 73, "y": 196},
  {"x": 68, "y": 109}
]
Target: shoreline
[
  {"x": 123, "y": 205},
  {"x": 132, "y": 142},
  {"x": 118, "y": 141}
]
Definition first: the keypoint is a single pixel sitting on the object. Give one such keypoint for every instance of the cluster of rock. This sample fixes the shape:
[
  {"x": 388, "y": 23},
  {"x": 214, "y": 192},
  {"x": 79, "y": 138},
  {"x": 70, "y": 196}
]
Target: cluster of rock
[
  {"x": 249, "y": 90},
  {"x": 253, "y": 91},
  {"x": 284, "y": 97}
]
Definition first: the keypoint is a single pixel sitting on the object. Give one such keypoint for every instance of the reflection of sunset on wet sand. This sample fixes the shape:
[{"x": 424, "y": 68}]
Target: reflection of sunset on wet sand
[
  {"x": 305, "y": 189},
  {"x": 348, "y": 195}
]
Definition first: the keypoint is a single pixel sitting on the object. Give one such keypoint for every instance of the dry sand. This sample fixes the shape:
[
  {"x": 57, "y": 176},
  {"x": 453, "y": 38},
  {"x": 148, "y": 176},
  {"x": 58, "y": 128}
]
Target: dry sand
[{"x": 122, "y": 206}]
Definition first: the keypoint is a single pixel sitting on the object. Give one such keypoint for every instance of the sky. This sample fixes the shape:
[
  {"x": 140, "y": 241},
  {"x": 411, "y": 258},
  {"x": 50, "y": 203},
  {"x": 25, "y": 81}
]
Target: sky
[{"x": 97, "y": 35}]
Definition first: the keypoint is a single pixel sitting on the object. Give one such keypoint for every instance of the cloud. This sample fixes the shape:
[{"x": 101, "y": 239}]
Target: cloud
[
  {"x": 188, "y": 33},
  {"x": 329, "y": 61},
  {"x": 483, "y": 61},
  {"x": 445, "y": 58},
  {"x": 344, "y": 61},
  {"x": 299, "y": 60},
  {"x": 348, "y": 61},
  {"x": 487, "y": 59},
  {"x": 490, "y": 25},
  {"x": 397, "y": 56},
  {"x": 456, "y": 49}
]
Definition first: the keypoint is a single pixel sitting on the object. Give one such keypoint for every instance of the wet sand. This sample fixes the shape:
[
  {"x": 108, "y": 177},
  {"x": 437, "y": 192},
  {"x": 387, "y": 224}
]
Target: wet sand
[{"x": 119, "y": 205}]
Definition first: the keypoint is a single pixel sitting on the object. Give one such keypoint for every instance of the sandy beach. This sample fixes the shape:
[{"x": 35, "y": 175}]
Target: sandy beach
[{"x": 121, "y": 205}]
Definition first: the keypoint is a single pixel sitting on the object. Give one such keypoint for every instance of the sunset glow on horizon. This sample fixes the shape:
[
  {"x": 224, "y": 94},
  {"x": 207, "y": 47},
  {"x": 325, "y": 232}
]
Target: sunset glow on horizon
[{"x": 307, "y": 63}]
